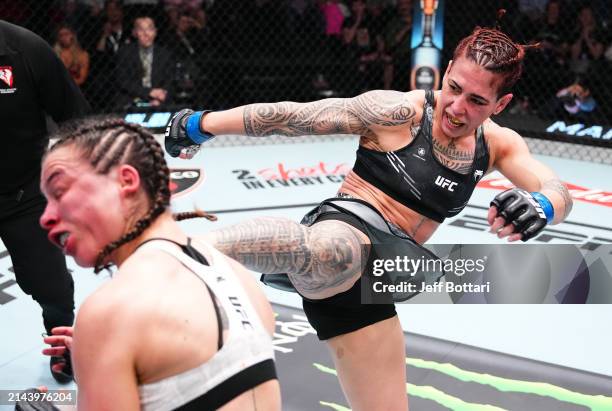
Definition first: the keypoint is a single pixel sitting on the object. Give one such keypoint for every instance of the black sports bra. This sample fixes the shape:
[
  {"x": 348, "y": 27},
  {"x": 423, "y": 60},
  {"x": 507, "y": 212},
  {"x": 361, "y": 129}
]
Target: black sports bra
[{"x": 414, "y": 177}]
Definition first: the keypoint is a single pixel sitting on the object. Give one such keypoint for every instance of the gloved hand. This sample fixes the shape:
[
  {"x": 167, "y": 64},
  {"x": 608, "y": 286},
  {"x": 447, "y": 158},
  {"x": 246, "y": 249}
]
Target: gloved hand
[
  {"x": 527, "y": 212},
  {"x": 183, "y": 135}
]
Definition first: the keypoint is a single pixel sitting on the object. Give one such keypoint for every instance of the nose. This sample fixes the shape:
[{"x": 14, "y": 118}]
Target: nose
[
  {"x": 49, "y": 217},
  {"x": 459, "y": 106}
]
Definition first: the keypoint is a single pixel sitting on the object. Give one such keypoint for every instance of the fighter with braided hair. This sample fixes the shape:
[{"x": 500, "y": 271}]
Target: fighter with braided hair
[
  {"x": 420, "y": 156},
  {"x": 179, "y": 325}
]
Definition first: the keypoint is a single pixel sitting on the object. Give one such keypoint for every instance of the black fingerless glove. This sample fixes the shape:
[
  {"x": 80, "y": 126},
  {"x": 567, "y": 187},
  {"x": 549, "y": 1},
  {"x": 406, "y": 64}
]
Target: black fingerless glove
[
  {"x": 527, "y": 212},
  {"x": 183, "y": 134}
]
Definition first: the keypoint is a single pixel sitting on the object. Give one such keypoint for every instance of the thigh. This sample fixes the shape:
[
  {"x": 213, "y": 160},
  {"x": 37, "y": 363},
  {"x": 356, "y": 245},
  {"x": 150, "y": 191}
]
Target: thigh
[
  {"x": 335, "y": 254},
  {"x": 371, "y": 366}
]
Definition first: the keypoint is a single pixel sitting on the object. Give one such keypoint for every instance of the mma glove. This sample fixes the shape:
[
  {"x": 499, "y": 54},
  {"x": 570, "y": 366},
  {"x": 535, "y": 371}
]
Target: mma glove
[
  {"x": 183, "y": 135},
  {"x": 527, "y": 212}
]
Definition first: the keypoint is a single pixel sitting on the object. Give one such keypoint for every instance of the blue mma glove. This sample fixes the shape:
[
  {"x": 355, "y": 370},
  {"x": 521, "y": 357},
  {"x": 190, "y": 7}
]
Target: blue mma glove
[
  {"x": 527, "y": 212},
  {"x": 183, "y": 135}
]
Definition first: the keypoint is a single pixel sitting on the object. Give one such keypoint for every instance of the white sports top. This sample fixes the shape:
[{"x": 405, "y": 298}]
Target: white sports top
[{"x": 244, "y": 360}]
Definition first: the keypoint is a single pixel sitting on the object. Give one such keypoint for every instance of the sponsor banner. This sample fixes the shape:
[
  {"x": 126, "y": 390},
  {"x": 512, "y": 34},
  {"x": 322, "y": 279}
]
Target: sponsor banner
[
  {"x": 184, "y": 180},
  {"x": 593, "y": 196},
  {"x": 282, "y": 175},
  {"x": 441, "y": 375},
  {"x": 558, "y": 129}
]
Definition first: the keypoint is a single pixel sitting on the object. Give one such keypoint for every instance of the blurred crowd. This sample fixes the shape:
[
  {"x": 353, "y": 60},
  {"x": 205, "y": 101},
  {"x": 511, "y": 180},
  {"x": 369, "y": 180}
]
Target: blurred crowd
[{"x": 150, "y": 54}]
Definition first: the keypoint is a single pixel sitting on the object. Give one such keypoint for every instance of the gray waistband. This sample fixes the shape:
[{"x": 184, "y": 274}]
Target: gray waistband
[{"x": 394, "y": 228}]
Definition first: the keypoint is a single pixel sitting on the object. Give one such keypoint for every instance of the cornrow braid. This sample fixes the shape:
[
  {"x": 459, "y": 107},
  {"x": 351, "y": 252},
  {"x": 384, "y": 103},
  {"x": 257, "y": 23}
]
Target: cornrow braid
[
  {"x": 149, "y": 153},
  {"x": 110, "y": 142},
  {"x": 194, "y": 214},
  {"x": 493, "y": 50}
]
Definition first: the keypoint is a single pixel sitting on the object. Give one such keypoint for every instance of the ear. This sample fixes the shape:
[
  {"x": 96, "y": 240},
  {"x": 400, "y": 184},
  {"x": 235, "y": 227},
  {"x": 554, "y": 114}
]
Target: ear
[
  {"x": 129, "y": 180},
  {"x": 502, "y": 102}
]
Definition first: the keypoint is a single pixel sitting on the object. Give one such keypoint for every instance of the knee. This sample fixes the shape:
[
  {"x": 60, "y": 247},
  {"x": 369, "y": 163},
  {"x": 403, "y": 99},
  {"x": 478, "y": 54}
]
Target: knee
[{"x": 336, "y": 247}]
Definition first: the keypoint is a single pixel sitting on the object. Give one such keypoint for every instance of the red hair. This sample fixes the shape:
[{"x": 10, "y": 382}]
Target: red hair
[{"x": 496, "y": 52}]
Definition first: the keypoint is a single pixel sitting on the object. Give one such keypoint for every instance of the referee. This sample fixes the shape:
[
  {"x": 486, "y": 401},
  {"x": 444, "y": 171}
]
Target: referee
[{"x": 33, "y": 83}]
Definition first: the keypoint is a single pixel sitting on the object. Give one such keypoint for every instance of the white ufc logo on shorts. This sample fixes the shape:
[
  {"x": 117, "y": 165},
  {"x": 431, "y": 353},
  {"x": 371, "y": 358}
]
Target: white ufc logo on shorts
[{"x": 445, "y": 183}]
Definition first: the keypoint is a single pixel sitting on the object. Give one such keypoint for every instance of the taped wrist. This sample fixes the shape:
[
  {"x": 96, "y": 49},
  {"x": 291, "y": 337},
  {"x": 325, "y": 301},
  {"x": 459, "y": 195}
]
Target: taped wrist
[{"x": 193, "y": 130}]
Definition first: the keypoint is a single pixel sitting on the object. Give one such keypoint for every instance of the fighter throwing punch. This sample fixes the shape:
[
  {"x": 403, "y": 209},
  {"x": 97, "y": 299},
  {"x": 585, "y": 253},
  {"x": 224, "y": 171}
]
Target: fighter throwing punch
[{"x": 420, "y": 156}]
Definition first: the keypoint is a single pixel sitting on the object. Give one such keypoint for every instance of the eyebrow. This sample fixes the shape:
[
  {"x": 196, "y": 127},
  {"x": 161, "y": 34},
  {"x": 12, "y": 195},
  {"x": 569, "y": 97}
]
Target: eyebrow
[
  {"x": 476, "y": 96},
  {"x": 52, "y": 177}
]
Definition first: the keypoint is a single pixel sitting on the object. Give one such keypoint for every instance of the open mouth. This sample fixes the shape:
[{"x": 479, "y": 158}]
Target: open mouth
[
  {"x": 453, "y": 121},
  {"x": 63, "y": 237},
  {"x": 60, "y": 239}
]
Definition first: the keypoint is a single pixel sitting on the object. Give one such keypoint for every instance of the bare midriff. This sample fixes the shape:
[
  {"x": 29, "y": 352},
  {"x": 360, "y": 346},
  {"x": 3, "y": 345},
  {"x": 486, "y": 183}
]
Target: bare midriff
[{"x": 420, "y": 228}]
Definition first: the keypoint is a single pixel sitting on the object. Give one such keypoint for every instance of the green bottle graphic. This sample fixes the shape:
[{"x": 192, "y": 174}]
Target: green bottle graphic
[{"x": 425, "y": 73}]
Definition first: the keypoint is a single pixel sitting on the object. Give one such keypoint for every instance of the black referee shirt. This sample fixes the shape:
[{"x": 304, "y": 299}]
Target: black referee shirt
[{"x": 33, "y": 82}]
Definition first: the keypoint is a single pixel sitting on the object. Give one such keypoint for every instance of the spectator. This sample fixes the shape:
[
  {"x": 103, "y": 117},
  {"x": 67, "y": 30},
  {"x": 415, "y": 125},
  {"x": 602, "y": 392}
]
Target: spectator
[
  {"x": 307, "y": 24},
  {"x": 334, "y": 17},
  {"x": 113, "y": 32},
  {"x": 195, "y": 8},
  {"x": 80, "y": 17},
  {"x": 189, "y": 34},
  {"x": 552, "y": 34},
  {"x": 575, "y": 102},
  {"x": 112, "y": 35},
  {"x": 189, "y": 40},
  {"x": 587, "y": 44},
  {"x": 364, "y": 48},
  {"x": 397, "y": 45},
  {"x": 546, "y": 71},
  {"x": 72, "y": 54},
  {"x": 144, "y": 69}
]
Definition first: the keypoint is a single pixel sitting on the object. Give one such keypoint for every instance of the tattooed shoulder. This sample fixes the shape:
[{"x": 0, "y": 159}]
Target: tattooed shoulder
[{"x": 384, "y": 108}]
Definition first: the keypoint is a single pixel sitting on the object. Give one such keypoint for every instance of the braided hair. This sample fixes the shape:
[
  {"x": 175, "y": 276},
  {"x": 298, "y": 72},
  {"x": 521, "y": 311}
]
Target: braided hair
[
  {"x": 495, "y": 51},
  {"x": 111, "y": 142}
]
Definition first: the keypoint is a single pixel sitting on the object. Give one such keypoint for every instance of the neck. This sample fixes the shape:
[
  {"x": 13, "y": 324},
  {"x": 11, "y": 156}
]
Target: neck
[{"x": 163, "y": 227}]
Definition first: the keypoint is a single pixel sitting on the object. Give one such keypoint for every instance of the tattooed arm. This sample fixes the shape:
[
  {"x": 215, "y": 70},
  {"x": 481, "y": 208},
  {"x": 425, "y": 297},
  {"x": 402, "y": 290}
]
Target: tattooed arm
[
  {"x": 320, "y": 260},
  {"x": 512, "y": 158},
  {"x": 361, "y": 115}
]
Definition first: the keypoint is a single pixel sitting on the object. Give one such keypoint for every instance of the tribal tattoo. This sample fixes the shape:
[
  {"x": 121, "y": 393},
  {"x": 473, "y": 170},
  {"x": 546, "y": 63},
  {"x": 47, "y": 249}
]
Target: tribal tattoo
[
  {"x": 457, "y": 160},
  {"x": 315, "y": 258},
  {"x": 329, "y": 116},
  {"x": 557, "y": 186}
]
